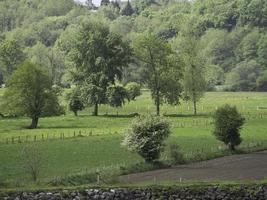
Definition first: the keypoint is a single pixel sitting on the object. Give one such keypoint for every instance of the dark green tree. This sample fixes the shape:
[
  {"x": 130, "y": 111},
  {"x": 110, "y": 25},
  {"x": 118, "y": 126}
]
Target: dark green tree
[
  {"x": 128, "y": 9},
  {"x": 105, "y": 2},
  {"x": 99, "y": 61},
  {"x": 228, "y": 123},
  {"x": 75, "y": 102},
  {"x": 117, "y": 95},
  {"x": 30, "y": 93}
]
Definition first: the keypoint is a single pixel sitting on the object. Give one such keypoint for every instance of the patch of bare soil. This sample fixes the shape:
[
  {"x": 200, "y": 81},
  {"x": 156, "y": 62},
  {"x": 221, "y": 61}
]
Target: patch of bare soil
[{"x": 230, "y": 168}]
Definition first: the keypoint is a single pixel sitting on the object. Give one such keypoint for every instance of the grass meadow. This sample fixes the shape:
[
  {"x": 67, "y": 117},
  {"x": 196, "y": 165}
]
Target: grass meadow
[{"x": 72, "y": 145}]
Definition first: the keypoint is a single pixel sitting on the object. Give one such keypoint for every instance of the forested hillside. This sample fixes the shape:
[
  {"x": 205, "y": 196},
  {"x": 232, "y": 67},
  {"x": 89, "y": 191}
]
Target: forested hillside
[{"x": 229, "y": 37}]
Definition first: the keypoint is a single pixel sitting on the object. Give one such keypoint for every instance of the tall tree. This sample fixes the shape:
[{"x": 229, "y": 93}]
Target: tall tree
[
  {"x": 29, "y": 92},
  {"x": 99, "y": 60},
  {"x": 194, "y": 81},
  {"x": 162, "y": 68}
]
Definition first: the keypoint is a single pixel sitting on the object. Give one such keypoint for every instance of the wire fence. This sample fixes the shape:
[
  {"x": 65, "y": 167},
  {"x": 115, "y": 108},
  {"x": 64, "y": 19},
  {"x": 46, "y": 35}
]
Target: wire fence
[{"x": 184, "y": 123}]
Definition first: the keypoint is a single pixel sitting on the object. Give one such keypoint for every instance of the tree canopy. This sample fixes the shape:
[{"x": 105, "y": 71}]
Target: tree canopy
[
  {"x": 30, "y": 93},
  {"x": 99, "y": 60}
]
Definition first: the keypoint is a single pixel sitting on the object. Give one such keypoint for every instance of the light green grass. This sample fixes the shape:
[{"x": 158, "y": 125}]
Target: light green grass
[{"x": 70, "y": 156}]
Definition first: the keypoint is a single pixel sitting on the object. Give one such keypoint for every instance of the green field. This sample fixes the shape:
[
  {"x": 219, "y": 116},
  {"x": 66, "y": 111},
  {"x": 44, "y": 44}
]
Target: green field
[{"x": 102, "y": 135}]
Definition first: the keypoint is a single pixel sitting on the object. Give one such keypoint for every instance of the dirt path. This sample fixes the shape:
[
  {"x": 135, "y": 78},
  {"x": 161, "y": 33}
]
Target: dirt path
[{"x": 231, "y": 168}]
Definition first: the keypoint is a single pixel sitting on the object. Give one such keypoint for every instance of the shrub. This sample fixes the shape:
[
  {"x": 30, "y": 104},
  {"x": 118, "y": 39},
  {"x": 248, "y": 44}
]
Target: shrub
[
  {"x": 228, "y": 122},
  {"x": 146, "y": 136},
  {"x": 133, "y": 90},
  {"x": 117, "y": 95},
  {"x": 75, "y": 104},
  {"x": 174, "y": 153}
]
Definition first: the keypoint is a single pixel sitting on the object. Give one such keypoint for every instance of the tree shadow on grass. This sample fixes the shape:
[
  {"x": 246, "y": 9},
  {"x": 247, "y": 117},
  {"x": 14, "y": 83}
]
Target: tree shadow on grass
[
  {"x": 132, "y": 115},
  {"x": 187, "y": 115}
]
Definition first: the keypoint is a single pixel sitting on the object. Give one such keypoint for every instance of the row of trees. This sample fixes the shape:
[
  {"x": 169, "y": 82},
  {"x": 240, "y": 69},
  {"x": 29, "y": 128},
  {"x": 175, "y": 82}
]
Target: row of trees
[
  {"x": 101, "y": 56},
  {"x": 115, "y": 96}
]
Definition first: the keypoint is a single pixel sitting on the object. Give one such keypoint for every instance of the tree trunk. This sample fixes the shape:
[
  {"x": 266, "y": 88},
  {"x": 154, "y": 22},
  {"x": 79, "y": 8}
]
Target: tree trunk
[
  {"x": 158, "y": 103},
  {"x": 34, "y": 122},
  {"x": 75, "y": 113},
  {"x": 231, "y": 147},
  {"x": 195, "y": 106},
  {"x": 95, "y": 113}
]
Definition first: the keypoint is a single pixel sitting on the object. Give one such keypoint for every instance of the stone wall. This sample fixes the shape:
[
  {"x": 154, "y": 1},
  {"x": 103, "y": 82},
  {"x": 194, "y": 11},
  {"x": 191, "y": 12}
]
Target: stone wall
[{"x": 179, "y": 193}]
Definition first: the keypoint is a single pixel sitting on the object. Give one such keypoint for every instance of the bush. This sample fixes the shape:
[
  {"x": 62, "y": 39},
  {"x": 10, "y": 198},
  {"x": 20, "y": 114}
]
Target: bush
[
  {"x": 228, "y": 123},
  {"x": 174, "y": 153},
  {"x": 117, "y": 95},
  {"x": 146, "y": 136},
  {"x": 76, "y": 103},
  {"x": 133, "y": 90}
]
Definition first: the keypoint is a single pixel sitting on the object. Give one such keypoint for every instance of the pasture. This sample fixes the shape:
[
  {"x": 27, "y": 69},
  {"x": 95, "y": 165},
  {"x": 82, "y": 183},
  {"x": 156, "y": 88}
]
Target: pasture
[{"x": 73, "y": 145}]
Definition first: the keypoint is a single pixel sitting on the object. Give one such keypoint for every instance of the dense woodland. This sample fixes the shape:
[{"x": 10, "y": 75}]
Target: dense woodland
[{"x": 176, "y": 48}]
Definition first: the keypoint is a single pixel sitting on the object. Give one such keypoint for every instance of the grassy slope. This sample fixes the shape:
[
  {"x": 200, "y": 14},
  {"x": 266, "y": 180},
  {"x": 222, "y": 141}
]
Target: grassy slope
[{"x": 73, "y": 155}]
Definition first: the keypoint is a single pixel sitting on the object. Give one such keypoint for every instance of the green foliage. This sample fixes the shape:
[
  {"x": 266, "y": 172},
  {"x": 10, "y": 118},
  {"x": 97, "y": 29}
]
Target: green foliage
[
  {"x": 128, "y": 9},
  {"x": 75, "y": 102},
  {"x": 243, "y": 77},
  {"x": 262, "y": 50},
  {"x": 49, "y": 58},
  {"x": 229, "y": 32},
  {"x": 133, "y": 90},
  {"x": 117, "y": 95},
  {"x": 174, "y": 153},
  {"x": 29, "y": 92},
  {"x": 194, "y": 82},
  {"x": 214, "y": 75},
  {"x": 146, "y": 136},
  {"x": 99, "y": 60},
  {"x": 11, "y": 55},
  {"x": 228, "y": 123},
  {"x": 253, "y": 12},
  {"x": 104, "y": 2},
  {"x": 248, "y": 45},
  {"x": 162, "y": 69},
  {"x": 262, "y": 82}
]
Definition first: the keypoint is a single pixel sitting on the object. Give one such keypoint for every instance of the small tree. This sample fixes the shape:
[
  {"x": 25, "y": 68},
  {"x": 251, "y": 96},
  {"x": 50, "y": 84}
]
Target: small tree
[
  {"x": 30, "y": 93},
  {"x": 133, "y": 90},
  {"x": 146, "y": 136},
  {"x": 117, "y": 95},
  {"x": 32, "y": 160},
  {"x": 76, "y": 103},
  {"x": 228, "y": 122}
]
